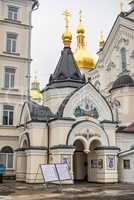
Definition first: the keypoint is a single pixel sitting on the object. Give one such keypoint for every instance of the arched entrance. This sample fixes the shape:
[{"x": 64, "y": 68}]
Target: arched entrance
[
  {"x": 86, "y": 136},
  {"x": 84, "y": 159},
  {"x": 79, "y": 161}
]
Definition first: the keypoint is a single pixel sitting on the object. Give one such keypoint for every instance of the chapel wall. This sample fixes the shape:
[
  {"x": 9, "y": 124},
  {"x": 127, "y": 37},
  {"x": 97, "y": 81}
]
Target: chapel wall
[
  {"x": 126, "y": 98},
  {"x": 38, "y": 136},
  {"x": 124, "y": 141},
  {"x": 54, "y": 97}
]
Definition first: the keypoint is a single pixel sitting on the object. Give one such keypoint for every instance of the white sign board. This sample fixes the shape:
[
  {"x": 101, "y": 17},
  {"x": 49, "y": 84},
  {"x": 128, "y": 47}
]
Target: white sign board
[
  {"x": 56, "y": 172},
  {"x": 49, "y": 173},
  {"x": 63, "y": 172}
]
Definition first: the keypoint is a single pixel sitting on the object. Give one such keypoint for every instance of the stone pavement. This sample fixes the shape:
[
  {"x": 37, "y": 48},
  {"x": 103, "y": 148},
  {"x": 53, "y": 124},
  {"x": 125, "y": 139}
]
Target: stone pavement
[{"x": 11, "y": 190}]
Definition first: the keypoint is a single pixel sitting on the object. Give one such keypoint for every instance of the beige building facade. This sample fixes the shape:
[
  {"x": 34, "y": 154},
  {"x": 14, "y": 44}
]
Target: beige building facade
[{"x": 15, "y": 59}]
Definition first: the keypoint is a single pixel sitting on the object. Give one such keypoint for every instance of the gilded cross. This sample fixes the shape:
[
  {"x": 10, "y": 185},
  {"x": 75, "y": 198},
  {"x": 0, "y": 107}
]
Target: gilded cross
[
  {"x": 67, "y": 16},
  {"x": 80, "y": 14}
]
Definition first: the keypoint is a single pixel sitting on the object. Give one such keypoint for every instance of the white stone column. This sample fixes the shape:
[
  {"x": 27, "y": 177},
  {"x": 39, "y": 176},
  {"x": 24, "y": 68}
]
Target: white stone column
[
  {"x": 21, "y": 165},
  {"x": 61, "y": 155},
  {"x": 35, "y": 157},
  {"x": 109, "y": 172}
]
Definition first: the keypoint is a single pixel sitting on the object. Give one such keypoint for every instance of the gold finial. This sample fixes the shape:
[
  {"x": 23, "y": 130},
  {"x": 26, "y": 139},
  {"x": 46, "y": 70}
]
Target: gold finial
[
  {"x": 101, "y": 40},
  {"x": 67, "y": 36},
  {"x": 80, "y": 28},
  {"x": 35, "y": 76},
  {"x": 80, "y": 13},
  {"x": 67, "y": 16}
]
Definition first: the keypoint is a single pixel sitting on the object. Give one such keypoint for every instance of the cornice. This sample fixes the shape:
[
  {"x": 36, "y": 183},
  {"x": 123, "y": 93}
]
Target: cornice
[{"x": 16, "y": 23}]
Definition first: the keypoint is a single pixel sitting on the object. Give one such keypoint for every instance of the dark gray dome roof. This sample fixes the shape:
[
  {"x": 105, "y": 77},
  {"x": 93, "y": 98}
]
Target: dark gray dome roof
[{"x": 123, "y": 81}]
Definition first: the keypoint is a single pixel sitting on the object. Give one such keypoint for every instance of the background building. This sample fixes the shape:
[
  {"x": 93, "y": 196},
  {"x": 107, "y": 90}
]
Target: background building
[{"x": 15, "y": 59}]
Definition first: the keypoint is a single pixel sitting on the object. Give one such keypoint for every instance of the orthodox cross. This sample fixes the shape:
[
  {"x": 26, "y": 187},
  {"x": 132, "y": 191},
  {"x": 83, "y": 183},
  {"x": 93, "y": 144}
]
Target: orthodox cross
[
  {"x": 67, "y": 16},
  {"x": 80, "y": 14}
]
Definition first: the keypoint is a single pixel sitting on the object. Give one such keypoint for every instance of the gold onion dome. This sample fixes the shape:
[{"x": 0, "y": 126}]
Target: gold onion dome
[
  {"x": 80, "y": 28},
  {"x": 35, "y": 90},
  {"x": 66, "y": 36},
  {"x": 82, "y": 56}
]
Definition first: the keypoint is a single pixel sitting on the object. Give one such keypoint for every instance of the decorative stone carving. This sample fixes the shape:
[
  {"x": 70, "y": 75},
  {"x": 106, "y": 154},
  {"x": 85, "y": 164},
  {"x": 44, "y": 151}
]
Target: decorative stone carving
[{"x": 110, "y": 66}]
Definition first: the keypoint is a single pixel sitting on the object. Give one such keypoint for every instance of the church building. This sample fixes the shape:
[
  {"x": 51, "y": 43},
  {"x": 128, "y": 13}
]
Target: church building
[{"x": 86, "y": 114}]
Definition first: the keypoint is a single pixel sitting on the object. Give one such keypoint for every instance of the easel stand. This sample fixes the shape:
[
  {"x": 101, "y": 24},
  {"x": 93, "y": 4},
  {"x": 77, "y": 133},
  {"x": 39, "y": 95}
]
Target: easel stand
[
  {"x": 54, "y": 174},
  {"x": 46, "y": 184}
]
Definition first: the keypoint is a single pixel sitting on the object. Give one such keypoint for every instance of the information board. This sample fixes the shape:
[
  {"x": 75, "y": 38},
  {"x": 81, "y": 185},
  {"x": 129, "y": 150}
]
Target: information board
[
  {"x": 49, "y": 173},
  {"x": 63, "y": 171},
  {"x": 55, "y": 172}
]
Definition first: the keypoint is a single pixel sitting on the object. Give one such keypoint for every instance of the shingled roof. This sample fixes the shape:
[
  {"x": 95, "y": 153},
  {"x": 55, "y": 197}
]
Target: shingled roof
[
  {"x": 67, "y": 73},
  {"x": 123, "y": 81},
  {"x": 39, "y": 112},
  {"x": 126, "y": 129}
]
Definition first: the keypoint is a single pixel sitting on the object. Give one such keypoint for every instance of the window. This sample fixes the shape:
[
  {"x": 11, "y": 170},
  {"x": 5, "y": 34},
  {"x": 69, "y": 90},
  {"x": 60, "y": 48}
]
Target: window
[
  {"x": 8, "y": 115},
  {"x": 123, "y": 59},
  {"x": 126, "y": 164},
  {"x": 12, "y": 13},
  {"x": 9, "y": 77},
  {"x": 7, "y": 157},
  {"x": 11, "y": 42}
]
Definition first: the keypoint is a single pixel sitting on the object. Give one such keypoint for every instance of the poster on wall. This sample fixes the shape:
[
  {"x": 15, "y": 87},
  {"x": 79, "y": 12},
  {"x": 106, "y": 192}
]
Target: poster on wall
[
  {"x": 110, "y": 162},
  {"x": 97, "y": 164}
]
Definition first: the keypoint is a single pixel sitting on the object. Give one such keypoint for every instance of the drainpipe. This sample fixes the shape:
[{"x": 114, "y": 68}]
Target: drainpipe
[
  {"x": 35, "y": 6},
  {"x": 48, "y": 143}
]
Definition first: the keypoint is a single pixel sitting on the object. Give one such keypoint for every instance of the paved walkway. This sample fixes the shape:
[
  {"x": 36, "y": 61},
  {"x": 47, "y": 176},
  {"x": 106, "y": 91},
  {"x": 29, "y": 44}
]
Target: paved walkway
[{"x": 11, "y": 190}]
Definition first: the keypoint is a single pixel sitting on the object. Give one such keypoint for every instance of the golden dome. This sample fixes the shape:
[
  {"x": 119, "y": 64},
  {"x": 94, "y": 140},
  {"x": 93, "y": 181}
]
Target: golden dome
[
  {"x": 67, "y": 38},
  {"x": 36, "y": 95},
  {"x": 81, "y": 55},
  {"x": 80, "y": 29},
  {"x": 35, "y": 90},
  {"x": 83, "y": 59}
]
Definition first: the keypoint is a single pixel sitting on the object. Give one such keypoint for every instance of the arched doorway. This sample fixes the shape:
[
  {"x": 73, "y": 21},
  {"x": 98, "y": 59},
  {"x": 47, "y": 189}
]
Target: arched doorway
[
  {"x": 79, "y": 161},
  {"x": 86, "y": 136}
]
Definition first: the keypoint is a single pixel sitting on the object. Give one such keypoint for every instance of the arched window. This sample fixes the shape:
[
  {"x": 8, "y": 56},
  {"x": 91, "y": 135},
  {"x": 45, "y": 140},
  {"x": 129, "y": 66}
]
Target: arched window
[
  {"x": 123, "y": 59},
  {"x": 7, "y": 149},
  {"x": 7, "y": 157}
]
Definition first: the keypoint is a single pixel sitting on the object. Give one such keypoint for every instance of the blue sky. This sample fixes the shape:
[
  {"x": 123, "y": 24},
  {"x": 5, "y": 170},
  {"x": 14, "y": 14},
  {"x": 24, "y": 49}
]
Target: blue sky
[{"x": 48, "y": 23}]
